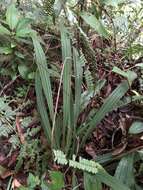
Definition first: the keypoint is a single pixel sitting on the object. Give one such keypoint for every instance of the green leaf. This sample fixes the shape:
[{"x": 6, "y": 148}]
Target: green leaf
[
  {"x": 67, "y": 63},
  {"x": 95, "y": 23},
  {"x": 57, "y": 180},
  {"x": 44, "y": 74},
  {"x": 44, "y": 186},
  {"x": 136, "y": 127},
  {"x": 33, "y": 181},
  {"x": 23, "y": 188},
  {"x": 42, "y": 108},
  {"x": 13, "y": 44},
  {"x": 130, "y": 75},
  {"x": 75, "y": 184},
  {"x": 19, "y": 55},
  {"x": 23, "y": 70},
  {"x": 139, "y": 65},
  {"x": 5, "y": 50},
  {"x": 112, "y": 2},
  {"x": 91, "y": 182},
  {"x": 31, "y": 75},
  {"x": 78, "y": 70},
  {"x": 23, "y": 23},
  {"x": 110, "y": 181},
  {"x": 3, "y": 30},
  {"x": 12, "y": 16},
  {"x": 137, "y": 187},
  {"x": 109, "y": 105},
  {"x": 125, "y": 170},
  {"x": 24, "y": 32},
  {"x": 58, "y": 6}
]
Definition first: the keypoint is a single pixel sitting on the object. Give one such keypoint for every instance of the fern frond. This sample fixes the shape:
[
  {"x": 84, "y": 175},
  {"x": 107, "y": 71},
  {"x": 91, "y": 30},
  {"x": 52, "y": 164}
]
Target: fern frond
[
  {"x": 82, "y": 164},
  {"x": 60, "y": 157},
  {"x": 49, "y": 7},
  {"x": 15, "y": 142},
  {"x": 5, "y": 131},
  {"x": 91, "y": 167},
  {"x": 89, "y": 80},
  {"x": 82, "y": 58}
]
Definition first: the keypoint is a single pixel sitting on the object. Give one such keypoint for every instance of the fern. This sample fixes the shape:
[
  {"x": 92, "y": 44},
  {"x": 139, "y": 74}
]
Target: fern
[
  {"x": 15, "y": 142},
  {"x": 49, "y": 7},
  {"x": 90, "y": 167},
  {"x": 5, "y": 131},
  {"x": 82, "y": 164},
  {"x": 89, "y": 80},
  {"x": 30, "y": 152},
  {"x": 6, "y": 118},
  {"x": 60, "y": 157},
  {"x": 26, "y": 4},
  {"x": 82, "y": 58}
]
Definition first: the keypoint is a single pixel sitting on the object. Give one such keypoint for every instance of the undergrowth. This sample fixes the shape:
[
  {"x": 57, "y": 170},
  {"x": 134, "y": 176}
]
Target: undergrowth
[{"x": 70, "y": 71}]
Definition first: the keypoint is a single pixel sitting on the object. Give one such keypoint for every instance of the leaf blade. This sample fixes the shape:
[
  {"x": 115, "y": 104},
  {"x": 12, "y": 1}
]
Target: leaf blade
[
  {"x": 108, "y": 106},
  {"x": 12, "y": 16},
  {"x": 95, "y": 23},
  {"x": 42, "y": 108},
  {"x": 44, "y": 74}
]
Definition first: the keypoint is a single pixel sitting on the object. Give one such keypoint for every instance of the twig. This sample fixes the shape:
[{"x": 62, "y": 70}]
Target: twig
[
  {"x": 56, "y": 107},
  {"x": 19, "y": 130},
  {"x": 8, "y": 85}
]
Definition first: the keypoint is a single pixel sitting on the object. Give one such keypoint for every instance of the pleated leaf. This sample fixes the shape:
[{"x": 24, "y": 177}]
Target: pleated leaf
[
  {"x": 130, "y": 75},
  {"x": 91, "y": 182},
  {"x": 42, "y": 108},
  {"x": 12, "y": 16},
  {"x": 44, "y": 74},
  {"x": 78, "y": 72},
  {"x": 67, "y": 63},
  {"x": 108, "y": 106},
  {"x": 95, "y": 23},
  {"x": 110, "y": 181},
  {"x": 23, "y": 23},
  {"x": 124, "y": 171}
]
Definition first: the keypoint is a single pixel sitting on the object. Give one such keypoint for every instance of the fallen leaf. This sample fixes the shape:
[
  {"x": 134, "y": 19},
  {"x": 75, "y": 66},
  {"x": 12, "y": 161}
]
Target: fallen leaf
[
  {"x": 16, "y": 184},
  {"x": 119, "y": 149}
]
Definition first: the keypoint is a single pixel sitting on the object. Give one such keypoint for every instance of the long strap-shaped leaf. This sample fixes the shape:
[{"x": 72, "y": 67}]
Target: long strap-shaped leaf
[
  {"x": 78, "y": 72},
  {"x": 44, "y": 74},
  {"x": 58, "y": 6},
  {"x": 110, "y": 181},
  {"x": 125, "y": 170},
  {"x": 42, "y": 108},
  {"x": 67, "y": 60},
  {"x": 91, "y": 182},
  {"x": 109, "y": 105}
]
